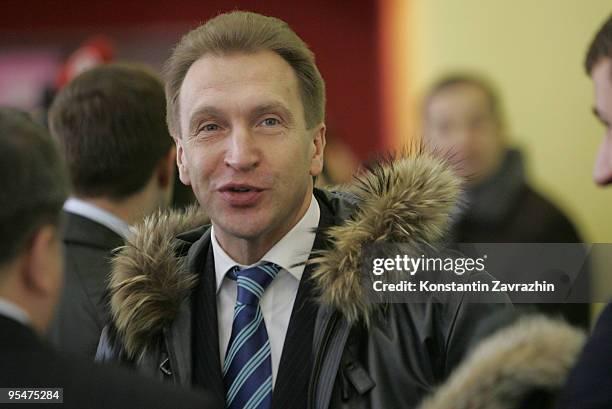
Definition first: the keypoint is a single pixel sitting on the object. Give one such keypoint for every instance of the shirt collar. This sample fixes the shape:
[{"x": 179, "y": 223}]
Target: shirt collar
[
  {"x": 98, "y": 215},
  {"x": 13, "y": 311},
  {"x": 290, "y": 253}
]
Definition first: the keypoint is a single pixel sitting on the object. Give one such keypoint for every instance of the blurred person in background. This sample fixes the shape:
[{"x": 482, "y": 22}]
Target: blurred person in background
[
  {"x": 590, "y": 383},
  {"x": 463, "y": 115},
  {"x": 110, "y": 125},
  {"x": 34, "y": 188},
  {"x": 94, "y": 51},
  {"x": 339, "y": 162}
]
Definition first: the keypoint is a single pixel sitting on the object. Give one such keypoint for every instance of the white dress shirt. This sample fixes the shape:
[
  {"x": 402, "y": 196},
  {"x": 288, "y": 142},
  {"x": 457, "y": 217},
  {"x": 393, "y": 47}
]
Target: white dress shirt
[
  {"x": 13, "y": 311},
  {"x": 277, "y": 301},
  {"x": 98, "y": 215}
]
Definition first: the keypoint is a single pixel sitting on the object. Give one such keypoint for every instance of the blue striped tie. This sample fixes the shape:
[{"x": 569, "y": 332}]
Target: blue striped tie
[{"x": 247, "y": 370}]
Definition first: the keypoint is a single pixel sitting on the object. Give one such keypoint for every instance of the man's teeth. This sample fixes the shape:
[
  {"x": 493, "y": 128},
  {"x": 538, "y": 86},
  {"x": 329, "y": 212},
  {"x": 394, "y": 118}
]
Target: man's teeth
[{"x": 240, "y": 189}]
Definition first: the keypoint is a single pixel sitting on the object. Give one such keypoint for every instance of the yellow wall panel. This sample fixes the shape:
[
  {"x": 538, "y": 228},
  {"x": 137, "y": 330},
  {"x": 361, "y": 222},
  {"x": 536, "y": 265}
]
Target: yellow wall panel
[{"x": 533, "y": 51}]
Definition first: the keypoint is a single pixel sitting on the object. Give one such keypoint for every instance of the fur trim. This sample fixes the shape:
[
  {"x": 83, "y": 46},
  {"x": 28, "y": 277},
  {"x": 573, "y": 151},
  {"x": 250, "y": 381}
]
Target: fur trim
[
  {"x": 404, "y": 201},
  {"x": 535, "y": 353},
  {"x": 149, "y": 282},
  {"x": 407, "y": 200}
]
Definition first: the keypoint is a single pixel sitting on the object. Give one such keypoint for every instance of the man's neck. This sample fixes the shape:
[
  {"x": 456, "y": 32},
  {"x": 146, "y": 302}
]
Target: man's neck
[
  {"x": 131, "y": 209},
  {"x": 117, "y": 209}
]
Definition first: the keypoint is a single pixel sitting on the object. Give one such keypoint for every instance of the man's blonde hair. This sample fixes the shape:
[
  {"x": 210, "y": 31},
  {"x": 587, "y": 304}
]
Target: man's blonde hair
[{"x": 245, "y": 32}]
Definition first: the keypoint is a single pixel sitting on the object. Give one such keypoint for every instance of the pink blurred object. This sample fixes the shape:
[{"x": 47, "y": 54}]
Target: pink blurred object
[{"x": 23, "y": 74}]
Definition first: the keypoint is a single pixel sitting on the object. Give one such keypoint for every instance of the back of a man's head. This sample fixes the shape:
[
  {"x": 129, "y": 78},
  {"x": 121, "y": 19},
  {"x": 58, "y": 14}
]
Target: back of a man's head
[
  {"x": 33, "y": 181},
  {"x": 110, "y": 124},
  {"x": 34, "y": 188}
]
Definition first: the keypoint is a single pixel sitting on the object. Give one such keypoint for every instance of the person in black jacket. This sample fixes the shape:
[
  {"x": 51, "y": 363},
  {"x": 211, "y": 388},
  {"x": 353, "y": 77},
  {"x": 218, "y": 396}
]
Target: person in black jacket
[
  {"x": 110, "y": 124},
  {"x": 34, "y": 187},
  {"x": 463, "y": 114},
  {"x": 589, "y": 385}
]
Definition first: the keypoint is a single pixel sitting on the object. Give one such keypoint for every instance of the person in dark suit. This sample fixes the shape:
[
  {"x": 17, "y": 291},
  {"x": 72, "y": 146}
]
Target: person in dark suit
[
  {"x": 34, "y": 187},
  {"x": 463, "y": 114},
  {"x": 110, "y": 125},
  {"x": 589, "y": 385}
]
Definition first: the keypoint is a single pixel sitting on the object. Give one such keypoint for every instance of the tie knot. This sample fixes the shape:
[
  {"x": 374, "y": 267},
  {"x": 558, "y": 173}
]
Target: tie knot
[{"x": 253, "y": 281}]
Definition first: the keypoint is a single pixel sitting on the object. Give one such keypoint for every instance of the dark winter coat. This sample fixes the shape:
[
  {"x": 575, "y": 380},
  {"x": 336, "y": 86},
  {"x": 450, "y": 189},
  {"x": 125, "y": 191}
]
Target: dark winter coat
[{"x": 340, "y": 350}]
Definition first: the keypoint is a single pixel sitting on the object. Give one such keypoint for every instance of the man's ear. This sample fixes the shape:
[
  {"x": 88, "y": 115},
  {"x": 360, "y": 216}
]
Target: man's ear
[
  {"x": 42, "y": 270},
  {"x": 165, "y": 171},
  {"x": 181, "y": 161},
  {"x": 318, "y": 141}
]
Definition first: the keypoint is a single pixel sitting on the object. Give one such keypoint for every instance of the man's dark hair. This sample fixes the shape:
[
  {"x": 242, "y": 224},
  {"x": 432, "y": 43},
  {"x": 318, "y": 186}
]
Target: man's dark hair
[
  {"x": 33, "y": 178},
  {"x": 601, "y": 46},
  {"x": 110, "y": 122},
  {"x": 468, "y": 79}
]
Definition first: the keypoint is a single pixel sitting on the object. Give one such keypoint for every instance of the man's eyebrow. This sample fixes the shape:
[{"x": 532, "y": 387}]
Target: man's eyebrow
[
  {"x": 274, "y": 107},
  {"x": 205, "y": 111}
]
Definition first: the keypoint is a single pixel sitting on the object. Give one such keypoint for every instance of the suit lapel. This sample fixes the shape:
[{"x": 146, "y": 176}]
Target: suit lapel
[{"x": 291, "y": 387}]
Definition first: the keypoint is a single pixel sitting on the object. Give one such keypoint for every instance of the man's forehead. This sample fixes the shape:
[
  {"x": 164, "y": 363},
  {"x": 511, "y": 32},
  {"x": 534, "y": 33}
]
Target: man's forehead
[
  {"x": 265, "y": 74},
  {"x": 221, "y": 70},
  {"x": 457, "y": 99},
  {"x": 602, "y": 82}
]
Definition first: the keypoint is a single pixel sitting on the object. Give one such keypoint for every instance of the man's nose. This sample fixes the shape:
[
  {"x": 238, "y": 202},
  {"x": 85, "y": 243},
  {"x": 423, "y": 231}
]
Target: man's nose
[
  {"x": 602, "y": 172},
  {"x": 242, "y": 152},
  {"x": 459, "y": 141}
]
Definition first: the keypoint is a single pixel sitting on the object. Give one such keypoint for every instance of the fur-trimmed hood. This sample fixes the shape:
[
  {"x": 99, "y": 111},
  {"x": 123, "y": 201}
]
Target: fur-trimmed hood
[
  {"x": 405, "y": 200},
  {"x": 521, "y": 366}
]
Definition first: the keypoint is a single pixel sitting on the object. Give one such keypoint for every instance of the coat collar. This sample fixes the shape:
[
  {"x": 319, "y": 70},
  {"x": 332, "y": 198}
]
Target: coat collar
[{"x": 81, "y": 230}]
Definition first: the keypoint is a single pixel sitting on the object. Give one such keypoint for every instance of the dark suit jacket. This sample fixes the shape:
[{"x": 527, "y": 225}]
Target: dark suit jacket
[
  {"x": 589, "y": 385},
  {"x": 82, "y": 311},
  {"x": 26, "y": 362}
]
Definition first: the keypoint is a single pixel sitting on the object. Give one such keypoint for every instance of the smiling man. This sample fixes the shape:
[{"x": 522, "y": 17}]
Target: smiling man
[
  {"x": 263, "y": 300},
  {"x": 244, "y": 146}
]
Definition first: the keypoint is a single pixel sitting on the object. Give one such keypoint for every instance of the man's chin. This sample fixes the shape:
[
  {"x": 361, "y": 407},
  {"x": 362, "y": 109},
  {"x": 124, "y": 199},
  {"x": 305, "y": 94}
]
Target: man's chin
[{"x": 247, "y": 228}]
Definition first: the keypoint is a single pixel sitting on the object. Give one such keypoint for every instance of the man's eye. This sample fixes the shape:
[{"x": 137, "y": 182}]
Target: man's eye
[
  {"x": 270, "y": 122},
  {"x": 209, "y": 128}
]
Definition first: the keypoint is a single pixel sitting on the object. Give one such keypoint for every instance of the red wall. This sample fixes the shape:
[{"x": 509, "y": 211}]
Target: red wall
[{"x": 343, "y": 35}]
